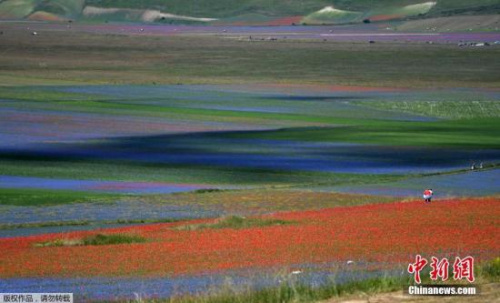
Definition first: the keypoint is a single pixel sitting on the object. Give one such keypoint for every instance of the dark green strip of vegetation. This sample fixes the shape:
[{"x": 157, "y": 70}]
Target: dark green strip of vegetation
[
  {"x": 235, "y": 222},
  {"x": 43, "y": 197},
  {"x": 87, "y": 223},
  {"x": 102, "y": 239},
  {"x": 99, "y": 239},
  {"x": 490, "y": 270},
  {"x": 288, "y": 292},
  {"x": 44, "y": 224},
  {"x": 475, "y": 133},
  {"x": 43, "y": 95},
  {"x": 83, "y": 169}
]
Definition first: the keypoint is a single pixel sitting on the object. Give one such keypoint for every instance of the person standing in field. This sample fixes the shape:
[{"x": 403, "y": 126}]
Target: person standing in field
[{"x": 428, "y": 195}]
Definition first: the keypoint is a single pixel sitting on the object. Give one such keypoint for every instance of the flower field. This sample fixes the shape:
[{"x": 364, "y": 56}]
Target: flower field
[
  {"x": 386, "y": 233},
  {"x": 158, "y": 160}
]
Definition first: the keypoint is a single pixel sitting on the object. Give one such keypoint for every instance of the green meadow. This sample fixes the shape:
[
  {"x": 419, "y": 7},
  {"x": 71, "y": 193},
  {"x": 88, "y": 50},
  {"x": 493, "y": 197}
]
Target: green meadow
[
  {"x": 477, "y": 133},
  {"x": 133, "y": 171},
  {"x": 43, "y": 197}
]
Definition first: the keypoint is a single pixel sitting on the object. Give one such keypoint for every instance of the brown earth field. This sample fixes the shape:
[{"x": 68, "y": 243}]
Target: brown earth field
[{"x": 37, "y": 53}]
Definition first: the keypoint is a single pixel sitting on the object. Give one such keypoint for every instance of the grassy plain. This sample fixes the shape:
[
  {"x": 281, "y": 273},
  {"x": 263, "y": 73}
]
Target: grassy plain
[
  {"x": 67, "y": 56},
  {"x": 83, "y": 58},
  {"x": 441, "y": 109},
  {"x": 40, "y": 197},
  {"x": 478, "y": 133}
]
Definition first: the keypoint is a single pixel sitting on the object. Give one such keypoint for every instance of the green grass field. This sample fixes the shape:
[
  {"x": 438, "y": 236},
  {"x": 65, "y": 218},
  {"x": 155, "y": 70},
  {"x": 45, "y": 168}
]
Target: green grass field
[
  {"x": 123, "y": 171},
  {"x": 441, "y": 109},
  {"x": 40, "y": 197},
  {"x": 477, "y": 133}
]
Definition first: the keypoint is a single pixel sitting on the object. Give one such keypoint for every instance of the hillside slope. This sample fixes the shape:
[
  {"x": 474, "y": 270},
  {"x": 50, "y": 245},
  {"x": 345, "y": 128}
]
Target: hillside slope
[
  {"x": 229, "y": 8},
  {"x": 312, "y": 11}
]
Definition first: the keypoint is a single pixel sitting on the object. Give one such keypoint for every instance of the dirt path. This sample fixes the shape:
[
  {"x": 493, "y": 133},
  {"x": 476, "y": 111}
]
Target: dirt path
[{"x": 488, "y": 293}]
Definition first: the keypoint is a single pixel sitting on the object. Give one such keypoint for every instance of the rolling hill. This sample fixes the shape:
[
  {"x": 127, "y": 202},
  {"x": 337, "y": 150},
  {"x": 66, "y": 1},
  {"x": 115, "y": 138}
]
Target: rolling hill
[{"x": 229, "y": 11}]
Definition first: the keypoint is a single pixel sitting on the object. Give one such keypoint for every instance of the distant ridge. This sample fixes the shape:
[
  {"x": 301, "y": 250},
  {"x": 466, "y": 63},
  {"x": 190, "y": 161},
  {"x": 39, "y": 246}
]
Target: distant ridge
[{"x": 241, "y": 11}]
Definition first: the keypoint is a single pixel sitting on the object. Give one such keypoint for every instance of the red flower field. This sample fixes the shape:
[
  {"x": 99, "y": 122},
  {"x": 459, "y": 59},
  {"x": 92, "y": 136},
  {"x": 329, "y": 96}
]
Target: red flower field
[{"x": 392, "y": 233}]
